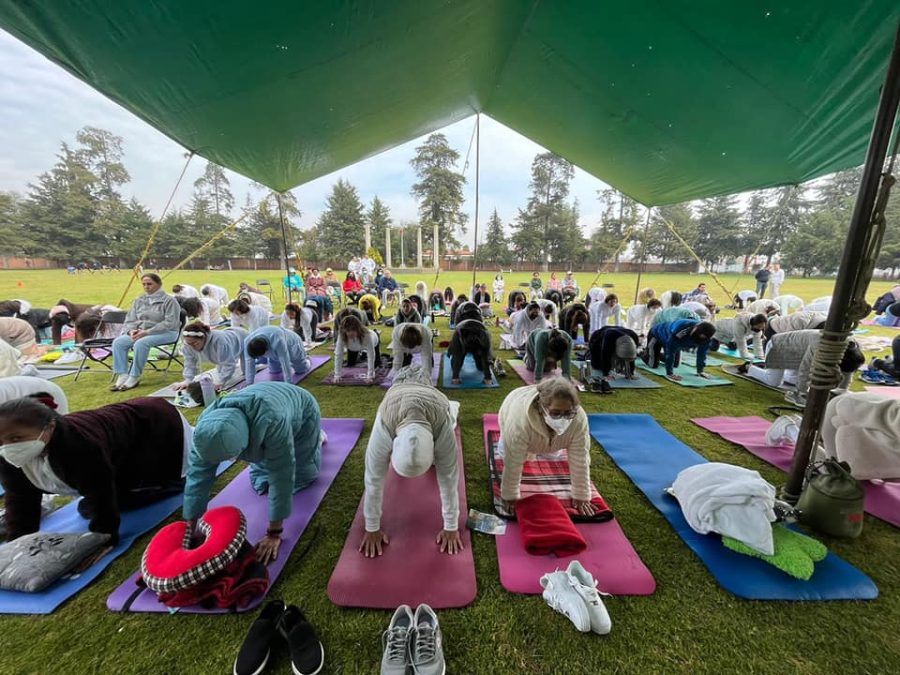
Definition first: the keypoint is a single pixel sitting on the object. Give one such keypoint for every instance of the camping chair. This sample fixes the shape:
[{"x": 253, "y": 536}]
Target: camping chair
[
  {"x": 99, "y": 343},
  {"x": 169, "y": 351},
  {"x": 336, "y": 292},
  {"x": 265, "y": 286}
]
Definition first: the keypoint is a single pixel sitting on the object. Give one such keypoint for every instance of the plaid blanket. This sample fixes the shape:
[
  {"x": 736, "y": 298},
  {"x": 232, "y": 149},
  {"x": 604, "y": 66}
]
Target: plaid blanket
[{"x": 542, "y": 476}]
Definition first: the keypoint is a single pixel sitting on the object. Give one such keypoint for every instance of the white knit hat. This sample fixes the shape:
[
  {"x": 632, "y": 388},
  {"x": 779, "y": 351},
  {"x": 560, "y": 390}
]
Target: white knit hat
[{"x": 413, "y": 452}]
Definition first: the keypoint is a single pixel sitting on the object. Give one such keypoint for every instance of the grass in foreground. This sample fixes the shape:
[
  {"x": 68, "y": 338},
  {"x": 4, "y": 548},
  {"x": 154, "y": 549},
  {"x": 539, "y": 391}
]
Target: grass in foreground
[{"x": 689, "y": 625}]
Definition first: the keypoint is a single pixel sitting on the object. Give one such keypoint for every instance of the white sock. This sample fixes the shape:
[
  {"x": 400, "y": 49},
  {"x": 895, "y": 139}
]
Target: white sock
[{"x": 121, "y": 380}]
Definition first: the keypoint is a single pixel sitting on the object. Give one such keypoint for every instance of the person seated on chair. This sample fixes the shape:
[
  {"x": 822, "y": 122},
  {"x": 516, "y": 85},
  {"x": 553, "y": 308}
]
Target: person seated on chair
[
  {"x": 293, "y": 281},
  {"x": 353, "y": 337},
  {"x": 613, "y": 350},
  {"x": 389, "y": 290},
  {"x": 27, "y": 386},
  {"x": 573, "y": 316},
  {"x": 222, "y": 348},
  {"x": 550, "y": 308},
  {"x": 516, "y": 302},
  {"x": 283, "y": 349},
  {"x": 371, "y": 305},
  {"x": 796, "y": 351},
  {"x": 118, "y": 457},
  {"x": 640, "y": 317},
  {"x": 217, "y": 293},
  {"x": 470, "y": 337},
  {"x": 569, "y": 287},
  {"x": 317, "y": 290},
  {"x": 304, "y": 321},
  {"x": 554, "y": 284},
  {"x": 463, "y": 310},
  {"x": 525, "y": 322},
  {"x": 19, "y": 334},
  {"x": 38, "y": 319},
  {"x": 764, "y": 306},
  {"x": 332, "y": 283},
  {"x": 541, "y": 419},
  {"x": 499, "y": 286},
  {"x": 407, "y": 313},
  {"x": 276, "y": 428},
  {"x": 697, "y": 293},
  {"x": 436, "y": 302},
  {"x": 245, "y": 315},
  {"x": 607, "y": 311},
  {"x": 802, "y": 320},
  {"x": 409, "y": 339},
  {"x": 670, "y": 314},
  {"x": 184, "y": 291},
  {"x": 415, "y": 428},
  {"x": 353, "y": 289},
  {"x": 536, "y": 286},
  {"x": 153, "y": 320},
  {"x": 736, "y": 331},
  {"x": 675, "y": 336},
  {"x": 546, "y": 350}
]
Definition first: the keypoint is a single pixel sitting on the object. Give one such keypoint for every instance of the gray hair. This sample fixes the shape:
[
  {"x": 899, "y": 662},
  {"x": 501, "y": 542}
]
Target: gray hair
[{"x": 557, "y": 387}]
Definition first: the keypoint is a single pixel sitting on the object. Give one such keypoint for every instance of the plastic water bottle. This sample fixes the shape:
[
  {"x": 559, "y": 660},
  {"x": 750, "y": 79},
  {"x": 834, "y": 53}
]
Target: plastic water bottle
[{"x": 208, "y": 388}]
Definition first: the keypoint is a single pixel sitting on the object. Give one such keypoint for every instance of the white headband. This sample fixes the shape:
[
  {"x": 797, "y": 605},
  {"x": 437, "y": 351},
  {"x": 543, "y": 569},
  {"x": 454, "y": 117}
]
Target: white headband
[{"x": 193, "y": 333}]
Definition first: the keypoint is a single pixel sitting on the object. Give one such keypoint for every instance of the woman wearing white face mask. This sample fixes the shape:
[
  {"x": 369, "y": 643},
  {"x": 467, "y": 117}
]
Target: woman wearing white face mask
[
  {"x": 544, "y": 419},
  {"x": 118, "y": 457}
]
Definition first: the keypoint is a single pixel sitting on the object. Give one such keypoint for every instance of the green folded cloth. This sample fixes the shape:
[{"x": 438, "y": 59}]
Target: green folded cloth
[{"x": 795, "y": 553}]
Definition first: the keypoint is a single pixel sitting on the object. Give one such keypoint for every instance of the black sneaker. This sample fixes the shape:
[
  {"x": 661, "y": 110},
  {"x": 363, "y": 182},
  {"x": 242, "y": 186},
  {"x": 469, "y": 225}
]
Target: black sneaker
[
  {"x": 605, "y": 387},
  {"x": 307, "y": 653},
  {"x": 594, "y": 385},
  {"x": 744, "y": 368},
  {"x": 254, "y": 654}
]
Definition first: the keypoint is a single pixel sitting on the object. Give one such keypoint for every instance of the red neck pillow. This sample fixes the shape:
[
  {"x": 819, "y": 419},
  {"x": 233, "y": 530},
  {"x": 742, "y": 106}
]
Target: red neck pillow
[{"x": 169, "y": 565}]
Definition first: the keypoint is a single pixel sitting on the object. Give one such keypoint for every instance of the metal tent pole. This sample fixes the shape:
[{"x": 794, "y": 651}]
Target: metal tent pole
[
  {"x": 848, "y": 305},
  {"x": 637, "y": 285},
  {"x": 477, "y": 176},
  {"x": 284, "y": 244}
]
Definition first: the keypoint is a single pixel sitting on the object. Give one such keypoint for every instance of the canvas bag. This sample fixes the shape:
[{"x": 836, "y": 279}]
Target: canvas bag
[{"x": 833, "y": 500}]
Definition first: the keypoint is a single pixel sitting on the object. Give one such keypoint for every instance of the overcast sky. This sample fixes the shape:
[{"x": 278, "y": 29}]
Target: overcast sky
[{"x": 41, "y": 105}]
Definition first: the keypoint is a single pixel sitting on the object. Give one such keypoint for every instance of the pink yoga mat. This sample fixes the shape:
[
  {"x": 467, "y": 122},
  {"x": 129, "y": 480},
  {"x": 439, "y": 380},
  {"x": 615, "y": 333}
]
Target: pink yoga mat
[
  {"x": 887, "y": 392},
  {"x": 316, "y": 361},
  {"x": 609, "y": 557},
  {"x": 342, "y": 437},
  {"x": 412, "y": 570},
  {"x": 882, "y": 501},
  {"x": 417, "y": 359},
  {"x": 528, "y": 375}
]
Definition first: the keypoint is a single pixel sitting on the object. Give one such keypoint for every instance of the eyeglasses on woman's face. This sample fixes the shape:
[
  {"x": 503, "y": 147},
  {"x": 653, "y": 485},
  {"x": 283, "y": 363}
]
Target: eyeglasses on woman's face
[{"x": 561, "y": 413}]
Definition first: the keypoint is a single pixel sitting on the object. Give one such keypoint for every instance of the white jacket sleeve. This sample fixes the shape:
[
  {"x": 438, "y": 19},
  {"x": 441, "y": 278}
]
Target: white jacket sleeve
[
  {"x": 758, "y": 345},
  {"x": 338, "y": 356},
  {"x": 447, "y": 470},
  {"x": 516, "y": 446},
  {"x": 740, "y": 337},
  {"x": 378, "y": 456},
  {"x": 371, "y": 339},
  {"x": 580, "y": 458},
  {"x": 191, "y": 363}
]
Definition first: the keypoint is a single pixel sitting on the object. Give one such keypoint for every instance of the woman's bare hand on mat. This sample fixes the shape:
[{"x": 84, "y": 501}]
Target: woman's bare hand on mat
[
  {"x": 674, "y": 377},
  {"x": 509, "y": 506},
  {"x": 373, "y": 543},
  {"x": 267, "y": 549},
  {"x": 91, "y": 559},
  {"x": 450, "y": 541},
  {"x": 178, "y": 386},
  {"x": 585, "y": 508}
]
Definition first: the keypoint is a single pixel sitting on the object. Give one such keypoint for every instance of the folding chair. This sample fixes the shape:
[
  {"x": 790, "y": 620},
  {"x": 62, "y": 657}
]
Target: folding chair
[
  {"x": 169, "y": 350},
  {"x": 336, "y": 292},
  {"x": 265, "y": 286},
  {"x": 100, "y": 344}
]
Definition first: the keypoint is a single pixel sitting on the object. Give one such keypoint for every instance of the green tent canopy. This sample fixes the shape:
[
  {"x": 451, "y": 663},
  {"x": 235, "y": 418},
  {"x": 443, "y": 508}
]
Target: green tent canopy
[{"x": 666, "y": 100}]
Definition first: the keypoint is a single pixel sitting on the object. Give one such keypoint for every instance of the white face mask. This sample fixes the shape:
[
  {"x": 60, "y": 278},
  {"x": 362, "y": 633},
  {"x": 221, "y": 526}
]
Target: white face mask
[
  {"x": 558, "y": 424},
  {"x": 23, "y": 452}
]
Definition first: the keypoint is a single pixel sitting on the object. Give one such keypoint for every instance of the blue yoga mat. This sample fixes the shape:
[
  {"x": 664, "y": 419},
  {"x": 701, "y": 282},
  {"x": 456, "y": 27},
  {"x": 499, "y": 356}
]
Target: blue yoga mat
[
  {"x": 651, "y": 457},
  {"x": 470, "y": 376},
  {"x": 65, "y": 520}
]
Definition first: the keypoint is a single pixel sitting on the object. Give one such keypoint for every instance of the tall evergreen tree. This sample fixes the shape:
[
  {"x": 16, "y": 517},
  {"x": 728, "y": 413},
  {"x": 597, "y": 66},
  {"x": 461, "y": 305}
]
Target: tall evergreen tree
[
  {"x": 661, "y": 243},
  {"x": 546, "y": 220},
  {"x": 620, "y": 214},
  {"x": 341, "y": 226},
  {"x": 15, "y": 237},
  {"x": 215, "y": 188},
  {"x": 496, "y": 248},
  {"x": 718, "y": 230},
  {"x": 379, "y": 219},
  {"x": 439, "y": 191}
]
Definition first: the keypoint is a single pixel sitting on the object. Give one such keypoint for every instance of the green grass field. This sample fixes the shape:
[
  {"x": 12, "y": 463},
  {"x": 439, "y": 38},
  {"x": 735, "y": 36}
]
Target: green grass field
[{"x": 689, "y": 625}]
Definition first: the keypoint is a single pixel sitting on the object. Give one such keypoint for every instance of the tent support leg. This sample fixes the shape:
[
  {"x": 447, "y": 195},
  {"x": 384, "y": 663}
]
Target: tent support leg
[
  {"x": 848, "y": 304},
  {"x": 637, "y": 285},
  {"x": 284, "y": 245}
]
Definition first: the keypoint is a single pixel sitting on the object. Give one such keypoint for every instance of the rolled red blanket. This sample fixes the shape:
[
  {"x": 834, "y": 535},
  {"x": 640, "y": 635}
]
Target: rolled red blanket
[{"x": 547, "y": 528}]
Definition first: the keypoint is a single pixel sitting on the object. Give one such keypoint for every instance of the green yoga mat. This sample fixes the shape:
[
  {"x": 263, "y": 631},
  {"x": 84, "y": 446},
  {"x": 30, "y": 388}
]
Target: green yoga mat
[
  {"x": 691, "y": 379},
  {"x": 733, "y": 353},
  {"x": 690, "y": 359}
]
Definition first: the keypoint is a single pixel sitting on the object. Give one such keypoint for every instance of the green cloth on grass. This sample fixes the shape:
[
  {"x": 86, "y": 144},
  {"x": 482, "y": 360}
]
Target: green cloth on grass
[{"x": 795, "y": 553}]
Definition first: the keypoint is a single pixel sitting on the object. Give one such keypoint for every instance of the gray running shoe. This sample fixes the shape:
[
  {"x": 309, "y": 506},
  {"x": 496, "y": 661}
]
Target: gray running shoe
[
  {"x": 395, "y": 660},
  {"x": 426, "y": 652}
]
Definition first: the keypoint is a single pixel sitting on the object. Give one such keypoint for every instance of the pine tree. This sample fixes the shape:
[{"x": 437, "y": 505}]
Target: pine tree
[
  {"x": 214, "y": 186},
  {"x": 341, "y": 227},
  {"x": 15, "y": 238},
  {"x": 661, "y": 243},
  {"x": 439, "y": 191},
  {"x": 496, "y": 247},
  {"x": 620, "y": 216},
  {"x": 379, "y": 219},
  {"x": 537, "y": 230},
  {"x": 718, "y": 230}
]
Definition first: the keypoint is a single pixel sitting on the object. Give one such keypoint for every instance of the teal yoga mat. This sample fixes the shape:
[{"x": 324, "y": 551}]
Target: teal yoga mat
[
  {"x": 690, "y": 359},
  {"x": 651, "y": 457},
  {"x": 470, "y": 377},
  {"x": 691, "y": 379}
]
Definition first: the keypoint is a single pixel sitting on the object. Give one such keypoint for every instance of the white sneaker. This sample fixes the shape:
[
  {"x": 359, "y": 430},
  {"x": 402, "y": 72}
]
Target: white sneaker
[
  {"x": 784, "y": 430},
  {"x": 561, "y": 596},
  {"x": 586, "y": 587}
]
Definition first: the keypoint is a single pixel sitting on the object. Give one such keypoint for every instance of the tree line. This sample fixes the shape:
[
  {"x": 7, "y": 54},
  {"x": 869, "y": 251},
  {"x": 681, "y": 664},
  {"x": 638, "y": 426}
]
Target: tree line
[{"x": 75, "y": 211}]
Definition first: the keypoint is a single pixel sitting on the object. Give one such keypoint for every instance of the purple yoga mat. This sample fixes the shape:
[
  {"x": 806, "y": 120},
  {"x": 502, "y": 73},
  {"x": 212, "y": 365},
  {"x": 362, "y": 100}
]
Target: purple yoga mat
[
  {"x": 609, "y": 556},
  {"x": 356, "y": 377},
  {"x": 316, "y": 361},
  {"x": 417, "y": 359},
  {"x": 882, "y": 501},
  {"x": 412, "y": 569},
  {"x": 342, "y": 437}
]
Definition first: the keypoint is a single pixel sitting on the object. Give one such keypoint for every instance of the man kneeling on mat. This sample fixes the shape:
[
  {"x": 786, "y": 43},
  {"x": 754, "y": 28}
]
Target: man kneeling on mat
[
  {"x": 546, "y": 350},
  {"x": 470, "y": 337},
  {"x": 414, "y": 428},
  {"x": 542, "y": 419},
  {"x": 674, "y": 337},
  {"x": 276, "y": 428}
]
